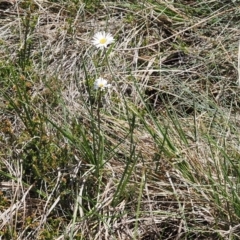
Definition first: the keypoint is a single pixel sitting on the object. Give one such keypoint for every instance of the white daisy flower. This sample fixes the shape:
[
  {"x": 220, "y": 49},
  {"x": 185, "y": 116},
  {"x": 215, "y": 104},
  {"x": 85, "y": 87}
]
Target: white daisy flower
[
  {"x": 101, "y": 84},
  {"x": 102, "y": 39}
]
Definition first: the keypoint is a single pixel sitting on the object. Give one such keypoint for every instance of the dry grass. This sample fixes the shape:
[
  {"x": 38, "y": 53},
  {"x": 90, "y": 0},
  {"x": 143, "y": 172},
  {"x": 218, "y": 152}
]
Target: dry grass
[{"x": 165, "y": 164}]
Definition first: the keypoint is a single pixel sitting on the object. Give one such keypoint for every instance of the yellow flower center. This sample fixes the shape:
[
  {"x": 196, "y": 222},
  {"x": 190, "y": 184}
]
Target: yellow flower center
[
  {"x": 101, "y": 85},
  {"x": 103, "y": 40}
]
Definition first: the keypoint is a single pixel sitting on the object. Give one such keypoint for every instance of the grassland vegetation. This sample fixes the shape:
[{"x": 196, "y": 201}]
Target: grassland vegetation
[{"x": 135, "y": 136}]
